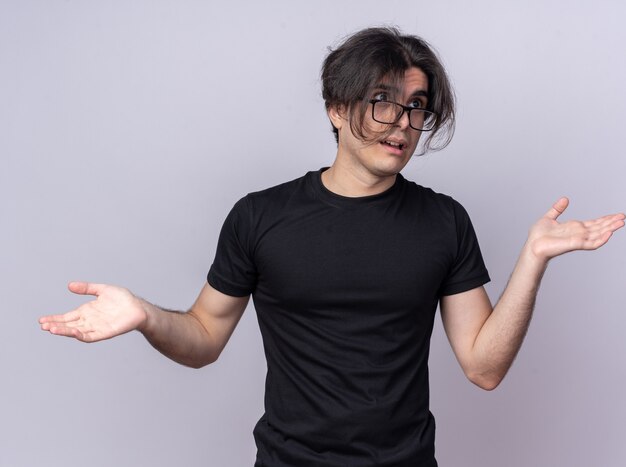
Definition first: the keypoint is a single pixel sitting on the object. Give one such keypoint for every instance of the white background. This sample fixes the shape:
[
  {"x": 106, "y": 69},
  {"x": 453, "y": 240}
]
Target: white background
[{"x": 128, "y": 129}]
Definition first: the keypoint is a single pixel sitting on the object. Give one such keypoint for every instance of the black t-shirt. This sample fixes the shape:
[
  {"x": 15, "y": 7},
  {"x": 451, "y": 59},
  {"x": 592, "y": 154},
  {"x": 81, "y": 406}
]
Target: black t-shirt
[{"x": 345, "y": 291}]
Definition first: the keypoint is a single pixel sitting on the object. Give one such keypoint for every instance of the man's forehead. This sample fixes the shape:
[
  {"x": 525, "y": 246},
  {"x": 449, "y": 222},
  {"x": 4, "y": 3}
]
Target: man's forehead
[
  {"x": 414, "y": 82},
  {"x": 419, "y": 90}
]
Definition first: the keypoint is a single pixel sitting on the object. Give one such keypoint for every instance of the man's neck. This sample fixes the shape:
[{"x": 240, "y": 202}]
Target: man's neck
[{"x": 355, "y": 183}]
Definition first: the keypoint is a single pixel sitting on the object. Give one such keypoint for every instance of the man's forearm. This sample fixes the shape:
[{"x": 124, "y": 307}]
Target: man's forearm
[
  {"x": 502, "y": 334},
  {"x": 179, "y": 336}
]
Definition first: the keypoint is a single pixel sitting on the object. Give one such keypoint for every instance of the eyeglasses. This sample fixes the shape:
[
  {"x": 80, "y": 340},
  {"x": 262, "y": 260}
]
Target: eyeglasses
[{"x": 391, "y": 112}]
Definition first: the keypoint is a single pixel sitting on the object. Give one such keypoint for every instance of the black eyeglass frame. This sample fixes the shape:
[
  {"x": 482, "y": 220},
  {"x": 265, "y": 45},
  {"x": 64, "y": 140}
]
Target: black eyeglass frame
[{"x": 427, "y": 113}]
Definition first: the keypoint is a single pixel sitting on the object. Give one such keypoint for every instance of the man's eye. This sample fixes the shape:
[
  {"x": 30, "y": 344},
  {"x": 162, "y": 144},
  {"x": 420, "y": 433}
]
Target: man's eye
[
  {"x": 381, "y": 96},
  {"x": 417, "y": 104}
]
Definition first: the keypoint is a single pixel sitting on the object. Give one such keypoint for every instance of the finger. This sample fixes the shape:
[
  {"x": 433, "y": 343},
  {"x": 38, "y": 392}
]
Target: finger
[
  {"x": 85, "y": 288},
  {"x": 75, "y": 333},
  {"x": 557, "y": 208},
  {"x": 64, "y": 318},
  {"x": 615, "y": 225},
  {"x": 67, "y": 332},
  {"x": 597, "y": 242},
  {"x": 610, "y": 218},
  {"x": 607, "y": 223},
  {"x": 58, "y": 325},
  {"x": 598, "y": 237}
]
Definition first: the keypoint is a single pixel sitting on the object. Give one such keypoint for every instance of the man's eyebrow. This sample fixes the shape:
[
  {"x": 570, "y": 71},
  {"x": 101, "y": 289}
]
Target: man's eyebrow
[{"x": 387, "y": 87}]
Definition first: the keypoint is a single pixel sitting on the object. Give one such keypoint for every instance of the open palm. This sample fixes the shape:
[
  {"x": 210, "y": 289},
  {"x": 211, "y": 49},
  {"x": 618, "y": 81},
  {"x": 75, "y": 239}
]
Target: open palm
[
  {"x": 115, "y": 311},
  {"x": 549, "y": 238}
]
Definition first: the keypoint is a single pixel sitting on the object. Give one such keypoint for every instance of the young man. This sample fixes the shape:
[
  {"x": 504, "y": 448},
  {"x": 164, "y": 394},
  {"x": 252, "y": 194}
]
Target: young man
[{"x": 346, "y": 267}]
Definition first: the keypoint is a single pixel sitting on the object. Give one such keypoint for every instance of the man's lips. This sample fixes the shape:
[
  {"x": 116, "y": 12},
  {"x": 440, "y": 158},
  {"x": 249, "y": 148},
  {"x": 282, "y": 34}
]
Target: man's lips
[{"x": 394, "y": 143}]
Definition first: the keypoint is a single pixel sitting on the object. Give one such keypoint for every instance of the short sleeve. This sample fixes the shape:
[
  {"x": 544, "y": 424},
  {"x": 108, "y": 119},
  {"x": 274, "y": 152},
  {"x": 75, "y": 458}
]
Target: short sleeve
[
  {"x": 468, "y": 269},
  {"x": 233, "y": 271}
]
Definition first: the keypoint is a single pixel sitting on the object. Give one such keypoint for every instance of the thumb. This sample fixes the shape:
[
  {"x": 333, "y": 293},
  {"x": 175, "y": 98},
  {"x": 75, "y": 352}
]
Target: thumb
[
  {"x": 557, "y": 209},
  {"x": 85, "y": 288}
]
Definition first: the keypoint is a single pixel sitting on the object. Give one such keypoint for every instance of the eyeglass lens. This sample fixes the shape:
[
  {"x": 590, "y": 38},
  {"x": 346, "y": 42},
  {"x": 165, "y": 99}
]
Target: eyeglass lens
[{"x": 390, "y": 112}]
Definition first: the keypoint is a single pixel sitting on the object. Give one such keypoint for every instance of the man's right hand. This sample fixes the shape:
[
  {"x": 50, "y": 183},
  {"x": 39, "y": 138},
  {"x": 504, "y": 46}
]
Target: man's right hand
[{"x": 115, "y": 311}]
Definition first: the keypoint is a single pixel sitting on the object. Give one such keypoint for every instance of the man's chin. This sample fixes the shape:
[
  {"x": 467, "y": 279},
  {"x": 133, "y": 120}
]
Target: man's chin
[{"x": 390, "y": 168}]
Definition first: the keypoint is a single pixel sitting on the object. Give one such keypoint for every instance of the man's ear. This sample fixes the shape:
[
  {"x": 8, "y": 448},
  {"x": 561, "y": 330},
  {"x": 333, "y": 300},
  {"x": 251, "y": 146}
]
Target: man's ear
[{"x": 337, "y": 115}]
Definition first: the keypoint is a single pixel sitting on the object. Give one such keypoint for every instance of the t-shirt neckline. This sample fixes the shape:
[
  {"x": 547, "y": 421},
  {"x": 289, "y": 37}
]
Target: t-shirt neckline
[{"x": 335, "y": 199}]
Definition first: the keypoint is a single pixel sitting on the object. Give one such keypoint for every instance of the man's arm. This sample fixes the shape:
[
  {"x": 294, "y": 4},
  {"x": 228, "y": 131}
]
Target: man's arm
[
  {"x": 195, "y": 338},
  {"x": 485, "y": 340}
]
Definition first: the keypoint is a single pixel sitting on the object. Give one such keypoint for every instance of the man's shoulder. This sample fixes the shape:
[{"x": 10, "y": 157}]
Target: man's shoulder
[
  {"x": 282, "y": 189},
  {"x": 277, "y": 197},
  {"x": 437, "y": 206},
  {"x": 429, "y": 197}
]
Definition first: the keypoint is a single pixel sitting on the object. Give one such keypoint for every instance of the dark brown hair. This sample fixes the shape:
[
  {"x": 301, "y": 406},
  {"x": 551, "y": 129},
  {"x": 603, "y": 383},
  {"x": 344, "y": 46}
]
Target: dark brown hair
[{"x": 352, "y": 71}]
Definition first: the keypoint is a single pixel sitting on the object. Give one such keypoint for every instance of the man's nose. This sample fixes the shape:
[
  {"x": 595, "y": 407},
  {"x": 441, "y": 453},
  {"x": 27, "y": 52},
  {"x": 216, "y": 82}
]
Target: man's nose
[{"x": 403, "y": 122}]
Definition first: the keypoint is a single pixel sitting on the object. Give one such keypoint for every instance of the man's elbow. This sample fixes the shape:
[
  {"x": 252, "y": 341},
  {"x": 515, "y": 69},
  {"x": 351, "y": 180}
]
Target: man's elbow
[
  {"x": 200, "y": 362},
  {"x": 486, "y": 382}
]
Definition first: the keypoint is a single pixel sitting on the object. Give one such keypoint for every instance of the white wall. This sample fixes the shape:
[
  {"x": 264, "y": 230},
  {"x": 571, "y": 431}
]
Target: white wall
[{"x": 128, "y": 130}]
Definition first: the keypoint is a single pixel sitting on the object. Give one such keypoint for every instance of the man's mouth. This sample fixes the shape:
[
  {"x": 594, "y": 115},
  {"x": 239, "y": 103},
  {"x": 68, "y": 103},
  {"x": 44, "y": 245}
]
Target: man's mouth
[{"x": 394, "y": 144}]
